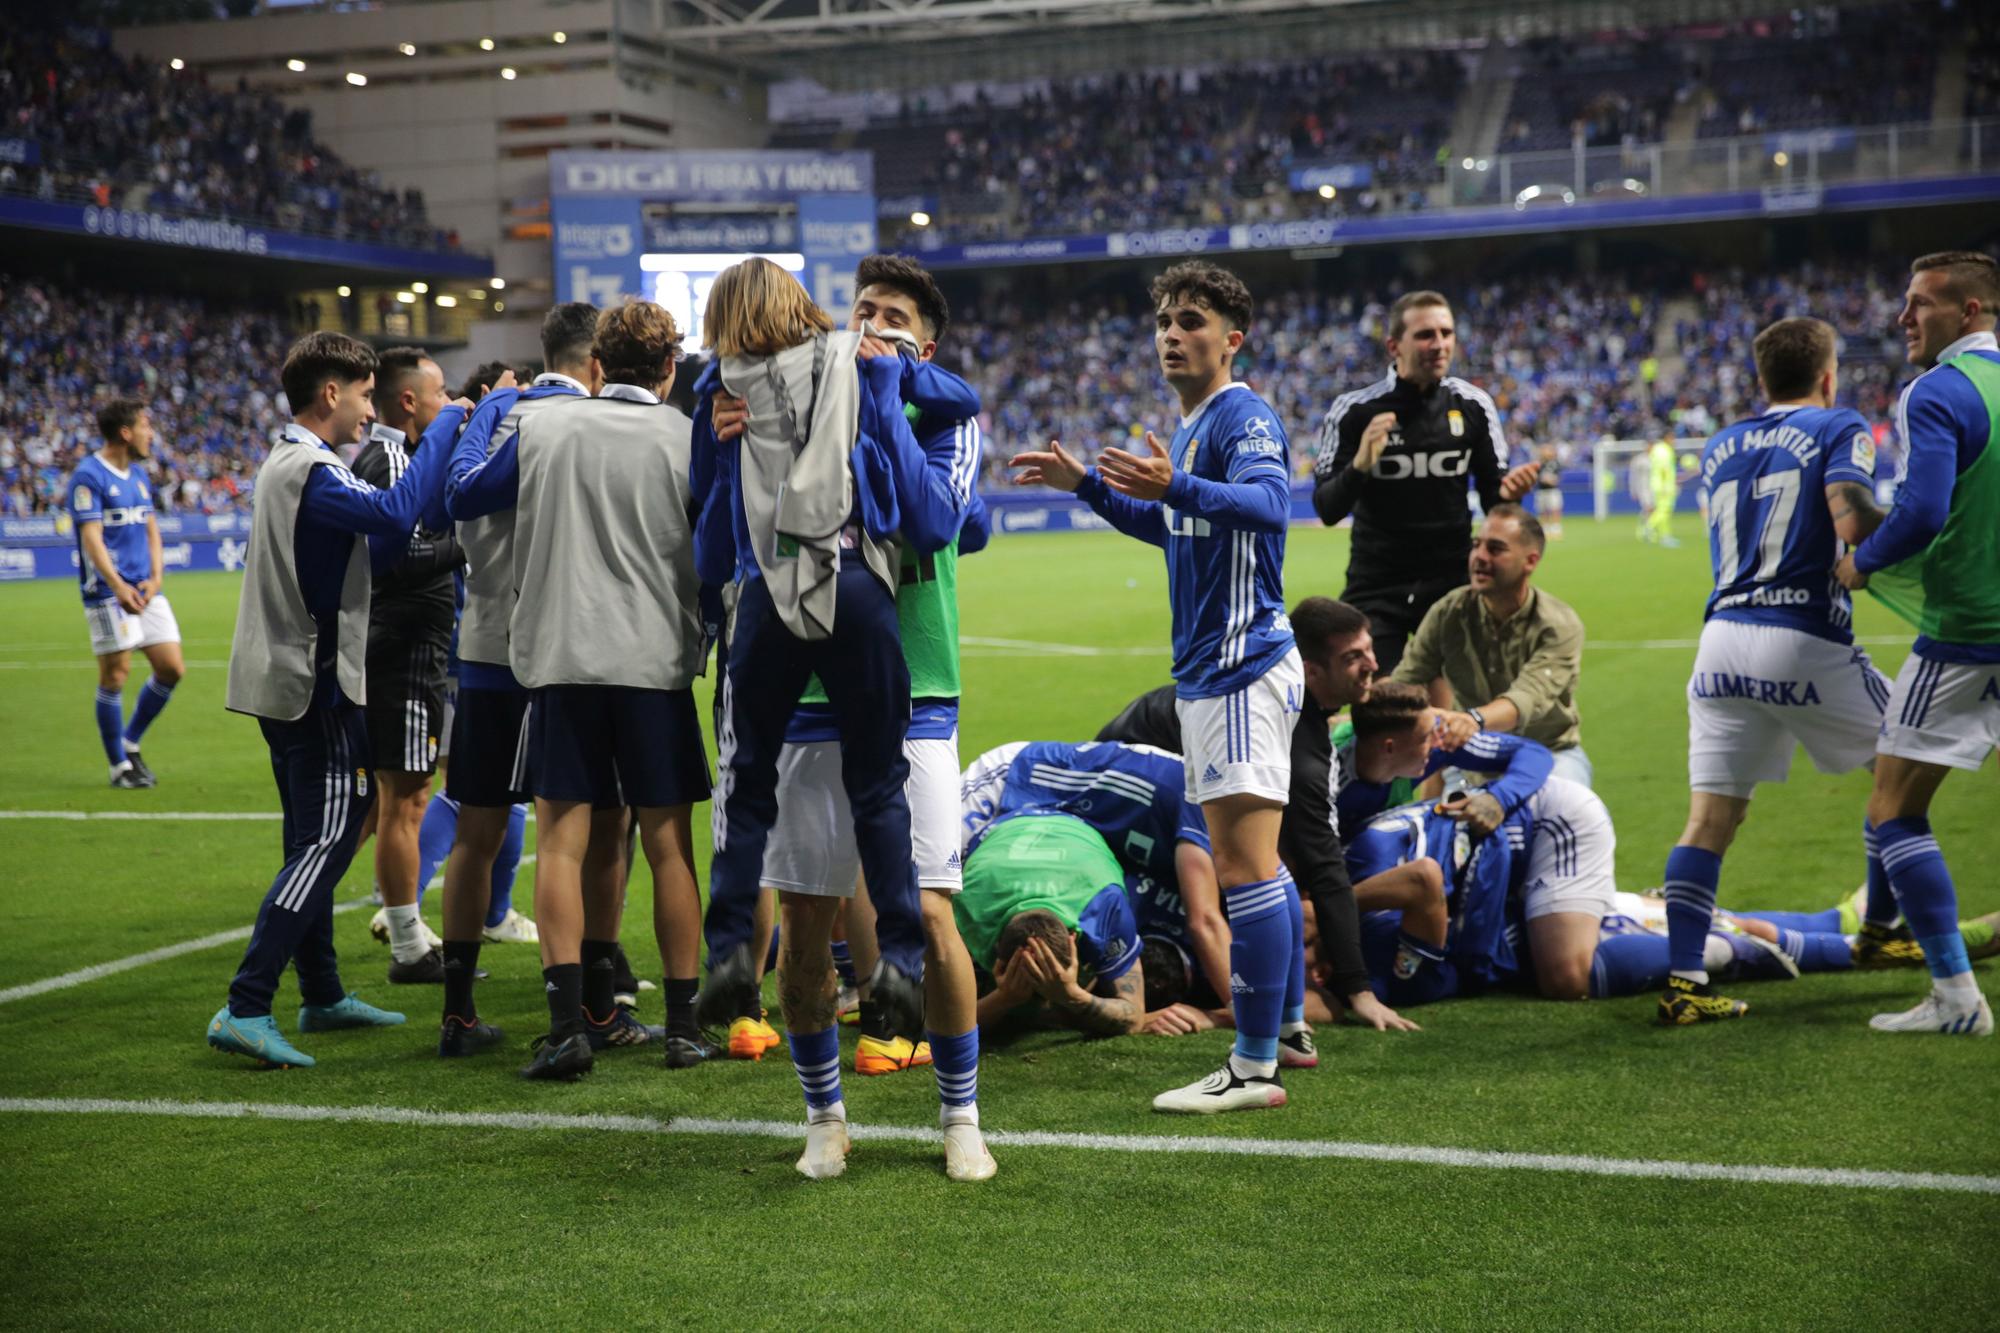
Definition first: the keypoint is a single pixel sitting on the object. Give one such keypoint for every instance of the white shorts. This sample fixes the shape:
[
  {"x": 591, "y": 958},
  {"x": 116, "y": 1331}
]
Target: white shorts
[
  {"x": 1570, "y": 852},
  {"x": 1242, "y": 742},
  {"x": 1759, "y": 689},
  {"x": 113, "y": 629},
  {"x": 811, "y": 848},
  {"x": 1943, "y": 713}
]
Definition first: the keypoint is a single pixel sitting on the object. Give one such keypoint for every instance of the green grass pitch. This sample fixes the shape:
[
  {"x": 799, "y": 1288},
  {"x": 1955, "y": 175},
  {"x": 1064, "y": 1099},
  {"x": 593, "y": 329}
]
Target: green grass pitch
[{"x": 132, "y": 1220}]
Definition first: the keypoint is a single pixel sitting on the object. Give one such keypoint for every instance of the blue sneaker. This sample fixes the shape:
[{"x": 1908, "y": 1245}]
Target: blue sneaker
[
  {"x": 346, "y": 1012},
  {"x": 257, "y": 1038}
]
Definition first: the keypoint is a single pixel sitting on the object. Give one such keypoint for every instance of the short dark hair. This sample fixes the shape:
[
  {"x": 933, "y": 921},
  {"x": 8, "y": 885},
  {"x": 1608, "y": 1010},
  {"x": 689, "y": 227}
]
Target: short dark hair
[
  {"x": 1791, "y": 354},
  {"x": 1971, "y": 276},
  {"x": 1531, "y": 527},
  {"x": 1164, "y": 970},
  {"x": 319, "y": 357},
  {"x": 117, "y": 415},
  {"x": 567, "y": 332},
  {"x": 633, "y": 341},
  {"x": 1319, "y": 622},
  {"x": 900, "y": 273},
  {"x": 392, "y": 367},
  {"x": 1039, "y": 924},
  {"x": 1391, "y": 709},
  {"x": 1409, "y": 301},
  {"x": 482, "y": 380},
  {"x": 1205, "y": 284}
]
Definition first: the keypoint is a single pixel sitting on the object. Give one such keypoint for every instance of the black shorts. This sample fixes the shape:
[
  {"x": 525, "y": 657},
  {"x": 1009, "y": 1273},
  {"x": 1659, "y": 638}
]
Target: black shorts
[
  {"x": 610, "y": 745},
  {"x": 406, "y": 715},
  {"x": 489, "y": 750}
]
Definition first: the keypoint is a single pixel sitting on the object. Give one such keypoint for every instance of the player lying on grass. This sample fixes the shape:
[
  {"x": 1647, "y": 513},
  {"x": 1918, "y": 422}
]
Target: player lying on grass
[
  {"x": 1565, "y": 884},
  {"x": 1043, "y": 913}
]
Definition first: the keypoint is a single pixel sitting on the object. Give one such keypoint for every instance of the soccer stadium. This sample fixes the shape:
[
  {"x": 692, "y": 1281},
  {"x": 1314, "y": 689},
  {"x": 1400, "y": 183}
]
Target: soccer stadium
[{"x": 731, "y": 641}]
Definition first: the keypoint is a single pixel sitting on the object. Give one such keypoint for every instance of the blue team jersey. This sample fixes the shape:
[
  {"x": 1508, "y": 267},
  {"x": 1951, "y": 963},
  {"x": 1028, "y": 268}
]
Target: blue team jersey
[
  {"x": 1481, "y": 895},
  {"x": 122, "y": 502},
  {"x": 1226, "y": 583},
  {"x": 1133, "y": 795},
  {"x": 1771, "y": 541}
]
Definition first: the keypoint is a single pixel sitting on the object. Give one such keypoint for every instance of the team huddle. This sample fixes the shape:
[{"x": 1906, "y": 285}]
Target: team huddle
[{"x": 1285, "y": 836}]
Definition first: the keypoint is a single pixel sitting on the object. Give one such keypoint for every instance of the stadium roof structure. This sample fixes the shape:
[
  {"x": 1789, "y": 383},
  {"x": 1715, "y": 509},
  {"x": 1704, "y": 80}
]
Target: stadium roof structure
[{"x": 849, "y": 43}]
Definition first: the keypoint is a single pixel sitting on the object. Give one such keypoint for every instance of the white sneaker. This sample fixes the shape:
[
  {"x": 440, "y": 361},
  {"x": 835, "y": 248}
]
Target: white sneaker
[
  {"x": 1222, "y": 1091},
  {"x": 826, "y": 1150},
  {"x": 432, "y": 940},
  {"x": 965, "y": 1154},
  {"x": 513, "y": 929},
  {"x": 378, "y": 925},
  {"x": 1937, "y": 1014},
  {"x": 848, "y": 1001}
]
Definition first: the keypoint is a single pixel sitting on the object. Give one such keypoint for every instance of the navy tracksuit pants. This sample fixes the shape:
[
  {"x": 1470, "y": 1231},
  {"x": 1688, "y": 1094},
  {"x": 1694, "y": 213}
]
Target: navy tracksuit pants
[
  {"x": 321, "y": 764},
  {"x": 868, "y": 684}
]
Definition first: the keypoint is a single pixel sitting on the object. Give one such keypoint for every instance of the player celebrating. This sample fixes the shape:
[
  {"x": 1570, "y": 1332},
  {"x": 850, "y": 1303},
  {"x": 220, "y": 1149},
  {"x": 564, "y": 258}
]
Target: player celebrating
[
  {"x": 120, "y": 562},
  {"x": 1218, "y": 501},
  {"x": 1945, "y": 712},
  {"x": 1777, "y": 661},
  {"x": 296, "y": 665}
]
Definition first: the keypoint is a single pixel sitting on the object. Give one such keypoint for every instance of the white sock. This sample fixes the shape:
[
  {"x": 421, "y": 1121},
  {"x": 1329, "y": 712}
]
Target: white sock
[
  {"x": 1698, "y": 978},
  {"x": 1252, "y": 1068},
  {"x": 406, "y": 934},
  {"x": 819, "y": 1115},
  {"x": 1961, "y": 990},
  {"x": 958, "y": 1115}
]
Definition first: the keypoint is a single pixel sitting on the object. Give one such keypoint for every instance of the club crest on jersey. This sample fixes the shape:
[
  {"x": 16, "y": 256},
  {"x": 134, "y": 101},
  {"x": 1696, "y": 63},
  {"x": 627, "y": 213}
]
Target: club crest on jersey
[
  {"x": 1457, "y": 420},
  {"x": 360, "y": 782}
]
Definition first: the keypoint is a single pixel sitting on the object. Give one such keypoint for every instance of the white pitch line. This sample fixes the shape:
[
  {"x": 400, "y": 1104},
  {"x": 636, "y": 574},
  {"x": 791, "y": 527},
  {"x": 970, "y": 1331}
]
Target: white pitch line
[
  {"x": 1875, "y": 640},
  {"x": 1041, "y": 648},
  {"x": 171, "y": 816},
  {"x": 1311, "y": 1149},
  {"x": 98, "y": 971}
]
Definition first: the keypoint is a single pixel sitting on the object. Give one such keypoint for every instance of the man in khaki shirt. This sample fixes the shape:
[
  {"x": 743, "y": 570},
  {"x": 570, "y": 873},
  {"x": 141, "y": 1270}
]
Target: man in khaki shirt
[{"x": 1504, "y": 647}]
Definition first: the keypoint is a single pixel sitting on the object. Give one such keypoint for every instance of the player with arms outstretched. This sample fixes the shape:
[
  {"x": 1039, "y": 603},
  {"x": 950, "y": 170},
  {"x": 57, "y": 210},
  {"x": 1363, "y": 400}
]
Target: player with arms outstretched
[
  {"x": 1218, "y": 500},
  {"x": 1945, "y": 711},
  {"x": 1777, "y": 663}
]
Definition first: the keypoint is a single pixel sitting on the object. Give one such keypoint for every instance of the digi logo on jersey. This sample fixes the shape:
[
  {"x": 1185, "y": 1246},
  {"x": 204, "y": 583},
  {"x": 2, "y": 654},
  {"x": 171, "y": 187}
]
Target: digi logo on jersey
[{"x": 1396, "y": 467}]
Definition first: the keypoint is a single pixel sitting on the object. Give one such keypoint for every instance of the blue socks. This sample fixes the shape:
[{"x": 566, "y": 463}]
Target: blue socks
[
  {"x": 1262, "y": 942},
  {"x": 434, "y": 838},
  {"x": 1294, "y": 1018},
  {"x": 1878, "y": 904},
  {"x": 440, "y": 829},
  {"x": 955, "y": 1061},
  {"x": 1819, "y": 951},
  {"x": 1930, "y": 902},
  {"x": 506, "y": 866},
  {"x": 111, "y": 724},
  {"x": 843, "y": 963},
  {"x": 1692, "y": 875},
  {"x": 816, "y": 1057},
  {"x": 152, "y": 699},
  {"x": 1629, "y": 965}
]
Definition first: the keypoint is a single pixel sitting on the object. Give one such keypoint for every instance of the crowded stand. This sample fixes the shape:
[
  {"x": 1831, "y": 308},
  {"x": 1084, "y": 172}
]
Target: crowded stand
[
  {"x": 136, "y": 134},
  {"x": 1567, "y": 360},
  {"x": 207, "y": 372}
]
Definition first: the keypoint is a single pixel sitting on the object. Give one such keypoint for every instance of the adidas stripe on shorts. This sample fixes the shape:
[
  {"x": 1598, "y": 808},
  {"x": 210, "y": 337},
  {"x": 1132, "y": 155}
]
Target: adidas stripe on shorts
[
  {"x": 1943, "y": 713},
  {"x": 811, "y": 847},
  {"x": 1242, "y": 741},
  {"x": 1570, "y": 853},
  {"x": 113, "y": 629}
]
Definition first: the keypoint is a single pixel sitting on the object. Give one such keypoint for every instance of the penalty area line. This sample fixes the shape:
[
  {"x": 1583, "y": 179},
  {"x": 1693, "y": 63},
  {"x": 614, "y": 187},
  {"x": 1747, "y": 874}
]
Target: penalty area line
[{"x": 1321, "y": 1149}]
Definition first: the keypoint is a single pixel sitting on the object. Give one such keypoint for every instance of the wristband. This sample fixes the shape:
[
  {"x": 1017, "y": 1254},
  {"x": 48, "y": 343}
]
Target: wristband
[{"x": 1477, "y": 716}]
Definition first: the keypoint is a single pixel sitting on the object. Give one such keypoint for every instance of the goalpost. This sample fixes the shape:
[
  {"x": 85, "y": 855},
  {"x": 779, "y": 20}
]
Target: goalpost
[{"x": 1620, "y": 480}]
